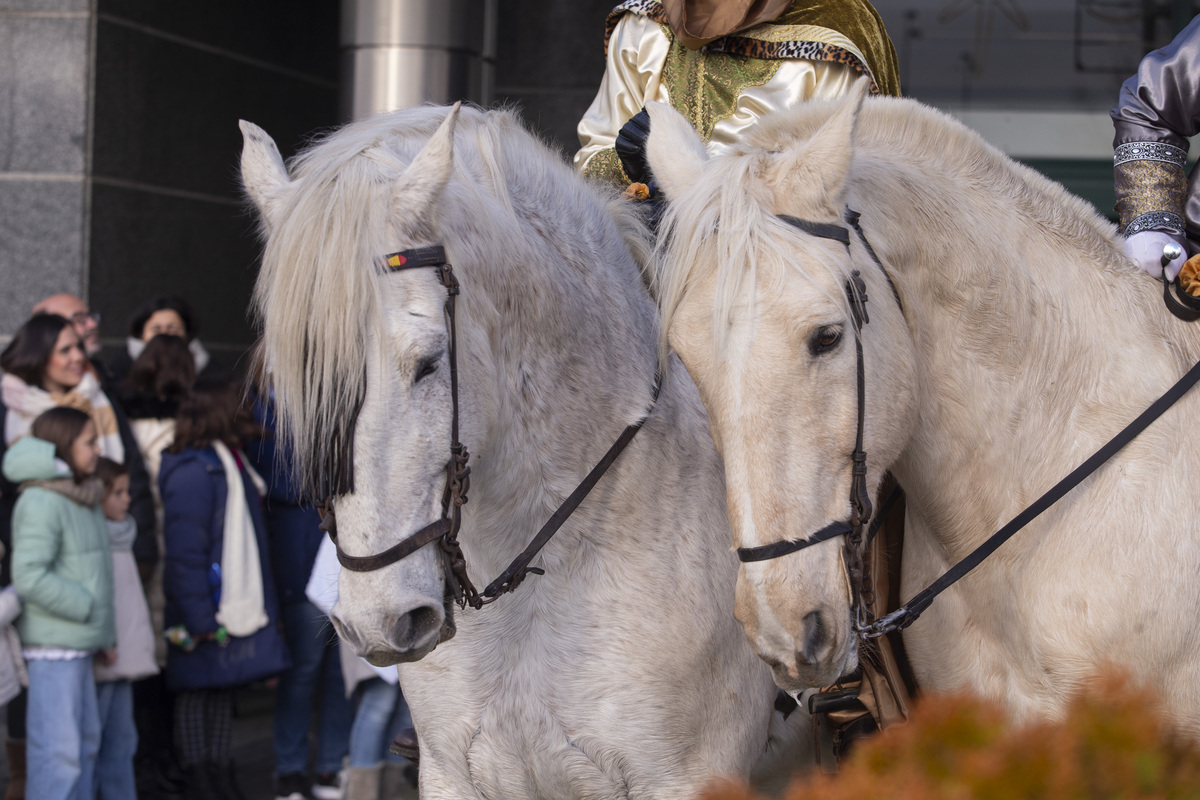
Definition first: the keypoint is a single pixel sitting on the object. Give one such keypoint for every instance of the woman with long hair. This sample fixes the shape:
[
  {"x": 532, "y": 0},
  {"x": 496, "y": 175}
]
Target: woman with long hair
[{"x": 221, "y": 608}]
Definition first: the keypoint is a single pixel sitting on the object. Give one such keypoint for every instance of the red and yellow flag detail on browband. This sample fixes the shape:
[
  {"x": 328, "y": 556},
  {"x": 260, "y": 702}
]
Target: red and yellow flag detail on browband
[{"x": 396, "y": 260}]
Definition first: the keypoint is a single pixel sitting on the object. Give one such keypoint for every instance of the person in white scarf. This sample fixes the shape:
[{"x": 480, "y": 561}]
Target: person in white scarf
[{"x": 45, "y": 367}]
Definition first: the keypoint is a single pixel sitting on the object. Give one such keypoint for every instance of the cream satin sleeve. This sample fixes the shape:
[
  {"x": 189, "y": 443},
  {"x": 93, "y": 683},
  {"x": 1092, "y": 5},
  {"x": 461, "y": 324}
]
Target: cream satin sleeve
[
  {"x": 796, "y": 81},
  {"x": 637, "y": 51}
]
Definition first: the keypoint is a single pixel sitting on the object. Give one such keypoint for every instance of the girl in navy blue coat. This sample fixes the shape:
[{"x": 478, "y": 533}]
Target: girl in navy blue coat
[{"x": 221, "y": 607}]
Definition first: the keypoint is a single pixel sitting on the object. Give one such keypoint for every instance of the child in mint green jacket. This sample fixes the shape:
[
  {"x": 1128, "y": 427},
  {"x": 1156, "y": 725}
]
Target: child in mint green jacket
[{"x": 62, "y": 568}]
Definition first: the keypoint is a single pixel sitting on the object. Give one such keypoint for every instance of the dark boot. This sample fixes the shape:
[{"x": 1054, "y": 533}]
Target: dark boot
[
  {"x": 405, "y": 744},
  {"x": 226, "y": 781},
  {"x": 15, "y": 750},
  {"x": 200, "y": 784}
]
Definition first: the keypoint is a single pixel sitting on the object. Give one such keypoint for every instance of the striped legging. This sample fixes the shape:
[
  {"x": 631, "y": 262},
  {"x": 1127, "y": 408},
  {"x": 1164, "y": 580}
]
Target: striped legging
[{"x": 204, "y": 726}]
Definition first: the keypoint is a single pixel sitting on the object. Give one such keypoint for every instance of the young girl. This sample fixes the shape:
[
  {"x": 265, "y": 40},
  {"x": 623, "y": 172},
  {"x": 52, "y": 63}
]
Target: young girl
[
  {"x": 62, "y": 568},
  {"x": 221, "y": 612},
  {"x": 135, "y": 644}
]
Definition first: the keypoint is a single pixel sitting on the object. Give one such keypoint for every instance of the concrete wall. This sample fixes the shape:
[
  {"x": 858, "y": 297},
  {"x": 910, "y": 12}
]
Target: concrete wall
[{"x": 45, "y": 60}]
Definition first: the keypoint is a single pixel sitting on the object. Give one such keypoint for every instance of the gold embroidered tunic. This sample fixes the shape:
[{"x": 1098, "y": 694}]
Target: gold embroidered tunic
[{"x": 725, "y": 86}]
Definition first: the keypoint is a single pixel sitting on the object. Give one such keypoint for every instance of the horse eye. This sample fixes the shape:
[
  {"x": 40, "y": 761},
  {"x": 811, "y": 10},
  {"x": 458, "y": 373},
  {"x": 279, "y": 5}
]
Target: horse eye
[
  {"x": 427, "y": 367},
  {"x": 825, "y": 339}
]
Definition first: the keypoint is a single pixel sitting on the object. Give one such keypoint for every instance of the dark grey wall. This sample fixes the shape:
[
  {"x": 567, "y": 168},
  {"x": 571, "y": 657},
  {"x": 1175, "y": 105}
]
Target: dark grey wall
[
  {"x": 171, "y": 81},
  {"x": 549, "y": 61}
]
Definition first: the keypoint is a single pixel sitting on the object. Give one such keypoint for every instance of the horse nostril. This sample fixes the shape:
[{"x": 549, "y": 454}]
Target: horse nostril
[
  {"x": 815, "y": 636},
  {"x": 412, "y": 628}
]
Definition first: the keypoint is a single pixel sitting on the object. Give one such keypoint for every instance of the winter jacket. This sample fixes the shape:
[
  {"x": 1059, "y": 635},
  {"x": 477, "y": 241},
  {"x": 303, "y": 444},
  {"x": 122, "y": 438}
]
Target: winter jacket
[
  {"x": 292, "y": 524},
  {"x": 153, "y": 423},
  {"x": 135, "y": 636},
  {"x": 12, "y": 666},
  {"x": 62, "y": 564},
  {"x": 141, "y": 506},
  {"x": 193, "y": 489}
]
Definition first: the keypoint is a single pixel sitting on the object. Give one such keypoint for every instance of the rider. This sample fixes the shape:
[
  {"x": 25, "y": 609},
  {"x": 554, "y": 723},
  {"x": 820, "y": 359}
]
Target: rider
[
  {"x": 723, "y": 64},
  {"x": 1159, "y": 107}
]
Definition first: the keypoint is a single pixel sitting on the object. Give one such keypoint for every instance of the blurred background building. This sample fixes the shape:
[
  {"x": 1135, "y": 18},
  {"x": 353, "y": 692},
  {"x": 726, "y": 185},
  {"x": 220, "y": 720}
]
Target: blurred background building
[{"x": 118, "y": 118}]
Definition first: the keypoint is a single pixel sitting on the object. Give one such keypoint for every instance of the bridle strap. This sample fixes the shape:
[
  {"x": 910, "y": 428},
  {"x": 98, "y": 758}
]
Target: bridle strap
[
  {"x": 822, "y": 230},
  {"x": 767, "y": 552},
  {"x": 860, "y": 501},
  {"x": 512, "y": 577},
  {"x": 430, "y": 533}
]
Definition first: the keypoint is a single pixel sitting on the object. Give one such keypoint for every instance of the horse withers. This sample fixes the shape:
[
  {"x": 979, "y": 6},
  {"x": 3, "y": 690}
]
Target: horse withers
[
  {"x": 1008, "y": 339},
  {"x": 621, "y": 671}
]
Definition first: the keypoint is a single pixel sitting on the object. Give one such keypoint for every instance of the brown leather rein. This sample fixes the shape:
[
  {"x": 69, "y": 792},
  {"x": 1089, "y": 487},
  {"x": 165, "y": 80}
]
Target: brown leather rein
[{"x": 445, "y": 530}]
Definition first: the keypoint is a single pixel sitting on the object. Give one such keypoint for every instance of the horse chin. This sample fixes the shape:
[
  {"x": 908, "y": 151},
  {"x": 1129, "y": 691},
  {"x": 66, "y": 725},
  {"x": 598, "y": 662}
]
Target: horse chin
[
  {"x": 390, "y": 658},
  {"x": 797, "y": 677}
]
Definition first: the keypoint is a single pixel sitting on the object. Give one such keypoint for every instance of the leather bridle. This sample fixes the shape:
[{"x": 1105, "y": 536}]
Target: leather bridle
[
  {"x": 860, "y": 501},
  {"x": 445, "y": 530},
  {"x": 860, "y": 504}
]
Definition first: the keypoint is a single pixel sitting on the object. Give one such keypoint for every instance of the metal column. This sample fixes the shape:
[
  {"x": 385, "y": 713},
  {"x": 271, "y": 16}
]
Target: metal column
[{"x": 400, "y": 53}]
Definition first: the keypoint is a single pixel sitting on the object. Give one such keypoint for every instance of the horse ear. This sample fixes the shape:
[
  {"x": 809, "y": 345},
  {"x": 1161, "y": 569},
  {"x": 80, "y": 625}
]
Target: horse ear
[
  {"x": 814, "y": 174},
  {"x": 263, "y": 175},
  {"x": 424, "y": 179},
  {"x": 674, "y": 151}
]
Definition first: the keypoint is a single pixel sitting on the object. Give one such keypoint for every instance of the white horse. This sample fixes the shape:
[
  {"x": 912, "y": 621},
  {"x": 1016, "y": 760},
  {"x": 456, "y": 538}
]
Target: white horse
[
  {"x": 1020, "y": 341},
  {"x": 620, "y": 672}
]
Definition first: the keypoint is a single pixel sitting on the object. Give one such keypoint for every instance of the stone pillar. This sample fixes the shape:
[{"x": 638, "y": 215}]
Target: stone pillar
[
  {"x": 45, "y": 57},
  {"x": 401, "y": 53}
]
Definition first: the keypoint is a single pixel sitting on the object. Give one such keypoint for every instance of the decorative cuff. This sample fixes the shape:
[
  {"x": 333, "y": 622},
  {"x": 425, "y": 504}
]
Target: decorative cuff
[
  {"x": 1155, "y": 221},
  {"x": 1150, "y": 194},
  {"x": 1150, "y": 151}
]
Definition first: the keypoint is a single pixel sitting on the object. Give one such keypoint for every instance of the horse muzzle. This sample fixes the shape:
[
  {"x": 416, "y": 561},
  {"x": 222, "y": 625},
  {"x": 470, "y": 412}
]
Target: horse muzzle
[{"x": 389, "y": 640}]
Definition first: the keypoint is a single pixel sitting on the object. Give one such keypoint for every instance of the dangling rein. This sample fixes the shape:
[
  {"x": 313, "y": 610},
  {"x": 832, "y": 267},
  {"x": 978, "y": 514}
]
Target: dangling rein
[{"x": 908, "y": 613}]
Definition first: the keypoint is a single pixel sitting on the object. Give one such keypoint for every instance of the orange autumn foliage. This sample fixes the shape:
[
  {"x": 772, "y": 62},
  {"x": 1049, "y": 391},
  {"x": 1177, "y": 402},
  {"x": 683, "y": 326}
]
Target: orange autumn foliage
[{"x": 1114, "y": 743}]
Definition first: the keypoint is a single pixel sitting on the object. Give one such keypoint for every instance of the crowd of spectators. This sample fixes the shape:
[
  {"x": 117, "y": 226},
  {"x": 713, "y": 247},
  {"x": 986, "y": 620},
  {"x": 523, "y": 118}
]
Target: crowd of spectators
[{"x": 157, "y": 558}]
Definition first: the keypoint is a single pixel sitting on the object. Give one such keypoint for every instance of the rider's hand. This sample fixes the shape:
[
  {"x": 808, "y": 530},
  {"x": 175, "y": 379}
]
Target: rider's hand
[
  {"x": 1145, "y": 248},
  {"x": 631, "y": 147}
]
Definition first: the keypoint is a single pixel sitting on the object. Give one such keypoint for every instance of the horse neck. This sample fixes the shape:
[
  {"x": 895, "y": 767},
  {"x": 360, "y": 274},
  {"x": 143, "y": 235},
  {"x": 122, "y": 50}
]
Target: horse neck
[
  {"x": 1033, "y": 344},
  {"x": 570, "y": 333}
]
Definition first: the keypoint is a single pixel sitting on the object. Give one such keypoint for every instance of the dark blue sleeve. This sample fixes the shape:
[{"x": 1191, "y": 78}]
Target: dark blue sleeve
[
  {"x": 270, "y": 460},
  {"x": 189, "y": 507}
]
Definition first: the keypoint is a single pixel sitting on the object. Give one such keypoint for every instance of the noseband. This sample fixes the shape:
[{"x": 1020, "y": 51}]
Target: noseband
[
  {"x": 860, "y": 500},
  {"x": 445, "y": 530}
]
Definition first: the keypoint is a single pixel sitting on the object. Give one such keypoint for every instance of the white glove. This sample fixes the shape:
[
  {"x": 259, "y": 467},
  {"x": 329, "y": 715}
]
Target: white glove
[{"x": 1145, "y": 249}]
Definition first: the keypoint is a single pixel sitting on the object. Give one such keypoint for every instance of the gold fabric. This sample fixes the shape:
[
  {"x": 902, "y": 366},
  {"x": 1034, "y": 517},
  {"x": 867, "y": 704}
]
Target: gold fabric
[
  {"x": 1149, "y": 187},
  {"x": 858, "y": 21},
  {"x": 695, "y": 23},
  {"x": 731, "y": 92},
  {"x": 706, "y": 89}
]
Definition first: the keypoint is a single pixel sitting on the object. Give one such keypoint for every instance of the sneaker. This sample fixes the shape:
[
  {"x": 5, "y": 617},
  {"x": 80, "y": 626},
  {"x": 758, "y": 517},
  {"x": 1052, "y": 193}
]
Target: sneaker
[
  {"x": 327, "y": 786},
  {"x": 293, "y": 786}
]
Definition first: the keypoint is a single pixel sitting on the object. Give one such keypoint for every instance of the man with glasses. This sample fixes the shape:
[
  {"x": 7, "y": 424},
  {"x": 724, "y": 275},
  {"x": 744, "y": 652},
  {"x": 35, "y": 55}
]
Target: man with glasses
[{"x": 85, "y": 321}]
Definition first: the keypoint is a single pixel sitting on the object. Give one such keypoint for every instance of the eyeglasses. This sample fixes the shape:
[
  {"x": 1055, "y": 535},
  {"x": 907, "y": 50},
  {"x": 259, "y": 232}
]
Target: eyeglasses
[{"x": 81, "y": 317}]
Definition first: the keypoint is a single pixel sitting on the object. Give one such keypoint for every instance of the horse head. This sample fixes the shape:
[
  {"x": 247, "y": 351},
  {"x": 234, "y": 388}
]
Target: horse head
[
  {"x": 357, "y": 359},
  {"x": 760, "y": 313}
]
